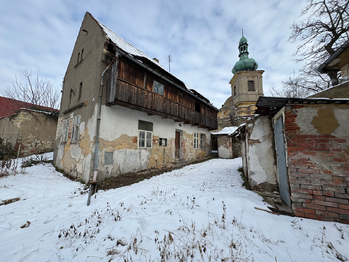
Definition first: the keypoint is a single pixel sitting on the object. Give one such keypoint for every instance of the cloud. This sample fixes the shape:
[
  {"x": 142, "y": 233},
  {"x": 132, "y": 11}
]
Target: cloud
[{"x": 201, "y": 37}]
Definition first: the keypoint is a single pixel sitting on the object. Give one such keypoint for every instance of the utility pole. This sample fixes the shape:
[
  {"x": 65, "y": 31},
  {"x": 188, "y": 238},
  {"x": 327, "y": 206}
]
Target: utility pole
[{"x": 169, "y": 63}]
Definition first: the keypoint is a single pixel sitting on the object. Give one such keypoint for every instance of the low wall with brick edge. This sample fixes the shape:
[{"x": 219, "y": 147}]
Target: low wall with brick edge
[{"x": 318, "y": 160}]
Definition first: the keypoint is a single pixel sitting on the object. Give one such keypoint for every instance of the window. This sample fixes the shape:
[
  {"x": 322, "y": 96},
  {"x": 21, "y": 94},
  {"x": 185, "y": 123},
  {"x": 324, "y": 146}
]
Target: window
[
  {"x": 251, "y": 86},
  {"x": 196, "y": 140},
  {"x": 65, "y": 130},
  {"x": 75, "y": 132},
  {"x": 203, "y": 141},
  {"x": 234, "y": 90},
  {"x": 197, "y": 107},
  {"x": 80, "y": 91},
  {"x": 71, "y": 92},
  {"x": 80, "y": 57},
  {"x": 158, "y": 88},
  {"x": 162, "y": 141},
  {"x": 145, "y": 137}
]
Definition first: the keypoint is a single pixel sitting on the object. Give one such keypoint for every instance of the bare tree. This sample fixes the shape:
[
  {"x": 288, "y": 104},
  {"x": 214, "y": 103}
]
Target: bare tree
[
  {"x": 35, "y": 91},
  {"x": 321, "y": 33},
  {"x": 294, "y": 87}
]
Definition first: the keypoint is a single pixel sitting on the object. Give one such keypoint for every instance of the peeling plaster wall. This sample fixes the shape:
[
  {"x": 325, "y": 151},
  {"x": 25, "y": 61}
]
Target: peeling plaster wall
[
  {"x": 33, "y": 131},
  {"x": 260, "y": 155},
  {"x": 118, "y": 126},
  {"x": 8, "y": 131},
  {"x": 318, "y": 160},
  {"x": 225, "y": 147},
  {"x": 119, "y": 134}
]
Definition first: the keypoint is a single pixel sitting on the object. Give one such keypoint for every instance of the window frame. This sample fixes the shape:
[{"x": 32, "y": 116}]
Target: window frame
[
  {"x": 156, "y": 86},
  {"x": 75, "y": 135},
  {"x": 65, "y": 133},
  {"x": 252, "y": 85},
  {"x": 80, "y": 90},
  {"x": 147, "y": 140},
  {"x": 202, "y": 141},
  {"x": 146, "y": 128},
  {"x": 196, "y": 141}
]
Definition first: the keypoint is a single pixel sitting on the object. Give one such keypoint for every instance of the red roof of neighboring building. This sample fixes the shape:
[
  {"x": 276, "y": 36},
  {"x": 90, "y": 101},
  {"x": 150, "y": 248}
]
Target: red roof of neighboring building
[{"x": 9, "y": 106}]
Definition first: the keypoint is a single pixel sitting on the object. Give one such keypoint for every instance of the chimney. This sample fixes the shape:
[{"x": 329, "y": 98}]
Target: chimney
[{"x": 156, "y": 60}]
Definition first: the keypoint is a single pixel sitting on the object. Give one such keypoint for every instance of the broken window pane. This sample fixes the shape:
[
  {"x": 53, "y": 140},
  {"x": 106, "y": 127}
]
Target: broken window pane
[{"x": 158, "y": 88}]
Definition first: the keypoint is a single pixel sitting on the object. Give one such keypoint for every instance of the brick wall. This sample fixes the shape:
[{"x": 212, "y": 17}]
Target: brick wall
[{"x": 318, "y": 161}]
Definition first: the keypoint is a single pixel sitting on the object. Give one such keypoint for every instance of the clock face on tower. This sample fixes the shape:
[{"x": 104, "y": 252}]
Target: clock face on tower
[{"x": 158, "y": 88}]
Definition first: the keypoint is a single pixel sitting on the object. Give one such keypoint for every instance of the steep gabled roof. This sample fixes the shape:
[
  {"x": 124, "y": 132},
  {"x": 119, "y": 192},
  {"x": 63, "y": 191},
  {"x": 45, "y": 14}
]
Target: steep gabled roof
[
  {"x": 148, "y": 62},
  {"x": 9, "y": 106}
]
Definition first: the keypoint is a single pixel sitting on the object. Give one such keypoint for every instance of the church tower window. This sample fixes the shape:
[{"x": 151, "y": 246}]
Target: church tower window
[{"x": 251, "y": 86}]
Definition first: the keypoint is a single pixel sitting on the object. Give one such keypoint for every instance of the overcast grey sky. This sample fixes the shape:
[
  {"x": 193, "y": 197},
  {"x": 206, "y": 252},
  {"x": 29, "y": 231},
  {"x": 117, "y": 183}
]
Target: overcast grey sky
[{"x": 200, "y": 35}]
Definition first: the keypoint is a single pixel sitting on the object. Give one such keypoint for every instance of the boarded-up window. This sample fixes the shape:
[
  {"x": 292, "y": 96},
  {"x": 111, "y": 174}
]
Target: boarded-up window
[
  {"x": 75, "y": 131},
  {"x": 251, "y": 86},
  {"x": 144, "y": 125},
  {"x": 108, "y": 158}
]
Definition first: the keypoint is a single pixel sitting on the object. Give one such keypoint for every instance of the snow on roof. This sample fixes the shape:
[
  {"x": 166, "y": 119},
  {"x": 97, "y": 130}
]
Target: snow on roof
[
  {"x": 339, "y": 84},
  {"x": 226, "y": 130},
  {"x": 124, "y": 45},
  {"x": 133, "y": 51}
]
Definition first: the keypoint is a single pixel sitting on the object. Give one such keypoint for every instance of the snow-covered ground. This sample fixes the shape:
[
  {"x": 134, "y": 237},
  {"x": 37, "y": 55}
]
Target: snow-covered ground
[{"x": 198, "y": 213}]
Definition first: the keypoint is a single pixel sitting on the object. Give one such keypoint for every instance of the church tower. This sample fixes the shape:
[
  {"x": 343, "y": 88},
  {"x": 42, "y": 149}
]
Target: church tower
[{"x": 246, "y": 87}]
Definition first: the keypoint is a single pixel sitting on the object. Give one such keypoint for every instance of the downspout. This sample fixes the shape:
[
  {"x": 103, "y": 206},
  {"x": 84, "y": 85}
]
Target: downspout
[{"x": 95, "y": 163}]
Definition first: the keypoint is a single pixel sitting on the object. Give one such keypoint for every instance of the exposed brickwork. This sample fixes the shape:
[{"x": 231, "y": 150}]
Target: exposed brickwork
[{"x": 318, "y": 171}]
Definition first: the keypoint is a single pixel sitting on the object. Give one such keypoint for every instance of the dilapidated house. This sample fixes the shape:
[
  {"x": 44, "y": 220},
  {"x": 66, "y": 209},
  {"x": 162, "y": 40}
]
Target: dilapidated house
[
  {"x": 121, "y": 111},
  {"x": 301, "y": 146},
  {"x": 26, "y": 128}
]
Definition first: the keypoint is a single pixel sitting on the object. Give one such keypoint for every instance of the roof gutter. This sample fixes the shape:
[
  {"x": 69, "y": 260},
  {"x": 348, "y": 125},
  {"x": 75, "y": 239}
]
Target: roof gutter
[
  {"x": 129, "y": 57},
  {"x": 322, "y": 68}
]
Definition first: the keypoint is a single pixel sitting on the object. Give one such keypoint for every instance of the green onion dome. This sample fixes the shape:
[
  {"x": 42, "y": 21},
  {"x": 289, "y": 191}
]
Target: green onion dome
[{"x": 245, "y": 63}]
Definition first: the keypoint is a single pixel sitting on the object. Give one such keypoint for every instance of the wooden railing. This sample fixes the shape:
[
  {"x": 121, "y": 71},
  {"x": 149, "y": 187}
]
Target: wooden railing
[{"x": 132, "y": 96}]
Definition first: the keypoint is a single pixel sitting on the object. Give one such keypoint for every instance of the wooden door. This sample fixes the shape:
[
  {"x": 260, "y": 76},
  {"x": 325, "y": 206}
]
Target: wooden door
[{"x": 177, "y": 144}]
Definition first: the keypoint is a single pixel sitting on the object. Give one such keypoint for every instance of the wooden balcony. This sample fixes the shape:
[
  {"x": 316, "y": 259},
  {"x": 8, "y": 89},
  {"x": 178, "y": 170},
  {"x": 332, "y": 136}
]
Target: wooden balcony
[{"x": 134, "y": 97}]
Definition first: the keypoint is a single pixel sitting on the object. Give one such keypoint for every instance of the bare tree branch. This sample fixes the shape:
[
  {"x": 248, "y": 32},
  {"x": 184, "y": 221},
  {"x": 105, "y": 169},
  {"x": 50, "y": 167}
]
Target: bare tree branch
[
  {"x": 33, "y": 90},
  {"x": 324, "y": 29}
]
